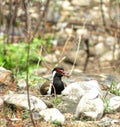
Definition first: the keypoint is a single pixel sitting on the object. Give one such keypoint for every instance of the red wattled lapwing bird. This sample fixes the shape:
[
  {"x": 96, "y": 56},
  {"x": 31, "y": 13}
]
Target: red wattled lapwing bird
[{"x": 57, "y": 85}]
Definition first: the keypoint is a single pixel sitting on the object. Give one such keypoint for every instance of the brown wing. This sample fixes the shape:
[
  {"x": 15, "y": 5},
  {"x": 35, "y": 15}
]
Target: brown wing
[{"x": 44, "y": 88}]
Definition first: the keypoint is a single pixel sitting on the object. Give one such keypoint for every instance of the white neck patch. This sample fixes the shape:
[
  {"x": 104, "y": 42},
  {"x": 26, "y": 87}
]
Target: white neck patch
[
  {"x": 53, "y": 74},
  {"x": 50, "y": 88}
]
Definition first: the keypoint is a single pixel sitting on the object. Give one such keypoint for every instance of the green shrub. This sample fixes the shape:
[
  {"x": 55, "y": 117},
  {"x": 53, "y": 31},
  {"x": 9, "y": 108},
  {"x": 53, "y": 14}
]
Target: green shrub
[
  {"x": 13, "y": 56},
  {"x": 113, "y": 88},
  {"x": 56, "y": 100}
]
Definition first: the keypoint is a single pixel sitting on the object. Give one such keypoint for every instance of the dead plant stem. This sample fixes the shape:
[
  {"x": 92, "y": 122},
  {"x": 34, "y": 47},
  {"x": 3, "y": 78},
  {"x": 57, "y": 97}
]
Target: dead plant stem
[
  {"x": 28, "y": 39},
  {"x": 63, "y": 50},
  {"x": 102, "y": 14},
  {"x": 76, "y": 55},
  {"x": 78, "y": 47}
]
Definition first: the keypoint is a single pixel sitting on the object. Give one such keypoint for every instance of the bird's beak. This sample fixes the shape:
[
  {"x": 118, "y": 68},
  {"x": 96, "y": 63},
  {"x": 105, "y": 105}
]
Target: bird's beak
[
  {"x": 61, "y": 71},
  {"x": 64, "y": 73}
]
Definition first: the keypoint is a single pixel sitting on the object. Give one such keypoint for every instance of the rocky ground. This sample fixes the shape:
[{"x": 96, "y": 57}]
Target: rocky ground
[{"x": 66, "y": 104}]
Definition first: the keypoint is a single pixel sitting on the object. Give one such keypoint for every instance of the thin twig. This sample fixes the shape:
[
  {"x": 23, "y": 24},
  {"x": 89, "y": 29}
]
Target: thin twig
[
  {"x": 63, "y": 50},
  {"x": 60, "y": 61},
  {"x": 39, "y": 59},
  {"x": 42, "y": 16},
  {"x": 65, "y": 45},
  {"x": 28, "y": 54},
  {"x": 11, "y": 19},
  {"x": 88, "y": 54},
  {"x": 102, "y": 14},
  {"x": 54, "y": 91},
  {"x": 76, "y": 55}
]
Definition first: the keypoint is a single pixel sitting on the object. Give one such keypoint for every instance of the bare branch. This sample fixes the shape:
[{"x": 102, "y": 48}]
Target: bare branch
[{"x": 28, "y": 54}]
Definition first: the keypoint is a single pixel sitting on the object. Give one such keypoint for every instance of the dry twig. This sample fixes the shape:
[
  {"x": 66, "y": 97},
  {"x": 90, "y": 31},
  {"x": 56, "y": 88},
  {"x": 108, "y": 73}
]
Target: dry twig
[
  {"x": 28, "y": 38},
  {"x": 78, "y": 47}
]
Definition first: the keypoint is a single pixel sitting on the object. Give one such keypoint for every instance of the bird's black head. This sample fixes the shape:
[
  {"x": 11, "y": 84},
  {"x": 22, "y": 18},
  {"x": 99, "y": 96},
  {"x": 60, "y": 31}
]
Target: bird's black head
[{"x": 58, "y": 71}]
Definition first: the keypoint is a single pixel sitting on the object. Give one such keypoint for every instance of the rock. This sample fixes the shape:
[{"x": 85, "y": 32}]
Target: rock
[
  {"x": 50, "y": 58},
  {"x": 94, "y": 14},
  {"x": 90, "y": 106},
  {"x": 106, "y": 121},
  {"x": 114, "y": 103},
  {"x": 53, "y": 13},
  {"x": 21, "y": 84},
  {"x": 104, "y": 1},
  {"x": 67, "y": 105},
  {"x": 81, "y": 2},
  {"x": 110, "y": 41},
  {"x": 73, "y": 91},
  {"x": 48, "y": 103},
  {"x": 70, "y": 57},
  {"x": 101, "y": 39},
  {"x": 61, "y": 26},
  {"x": 54, "y": 42},
  {"x": 52, "y": 115},
  {"x": 3, "y": 122},
  {"x": 67, "y": 6},
  {"x": 77, "y": 89},
  {"x": 7, "y": 81},
  {"x": 116, "y": 18},
  {"x": 69, "y": 31},
  {"x": 82, "y": 32},
  {"x": 36, "y": 116},
  {"x": 118, "y": 86},
  {"x": 6, "y": 76},
  {"x": 99, "y": 48},
  {"x": 108, "y": 56},
  {"x": 60, "y": 37},
  {"x": 39, "y": 71},
  {"x": 21, "y": 100}
]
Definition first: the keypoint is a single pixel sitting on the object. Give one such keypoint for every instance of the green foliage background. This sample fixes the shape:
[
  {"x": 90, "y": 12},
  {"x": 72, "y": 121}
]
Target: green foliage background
[{"x": 13, "y": 56}]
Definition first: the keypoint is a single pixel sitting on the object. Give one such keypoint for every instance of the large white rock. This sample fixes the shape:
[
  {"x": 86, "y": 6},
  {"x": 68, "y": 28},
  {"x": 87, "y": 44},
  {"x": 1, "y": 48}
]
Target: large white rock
[
  {"x": 70, "y": 57},
  {"x": 114, "y": 103},
  {"x": 90, "y": 105},
  {"x": 78, "y": 89},
  {"x": 21, "y": 100},
  {"x": 50, "y": 58},
  {"x": 118, "y": 86},
  {"x": 66, "y": 5},
  {"x": 108, "y": 56},
  {"x": 107, "y": 122},
  {"x": 52, "y": 115},
  {"x": 82, "y": 32},
  {"x": 110, "y": 41},
  {"x": 81, "y": 2},
  {"x": 99, "y": 48}
]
